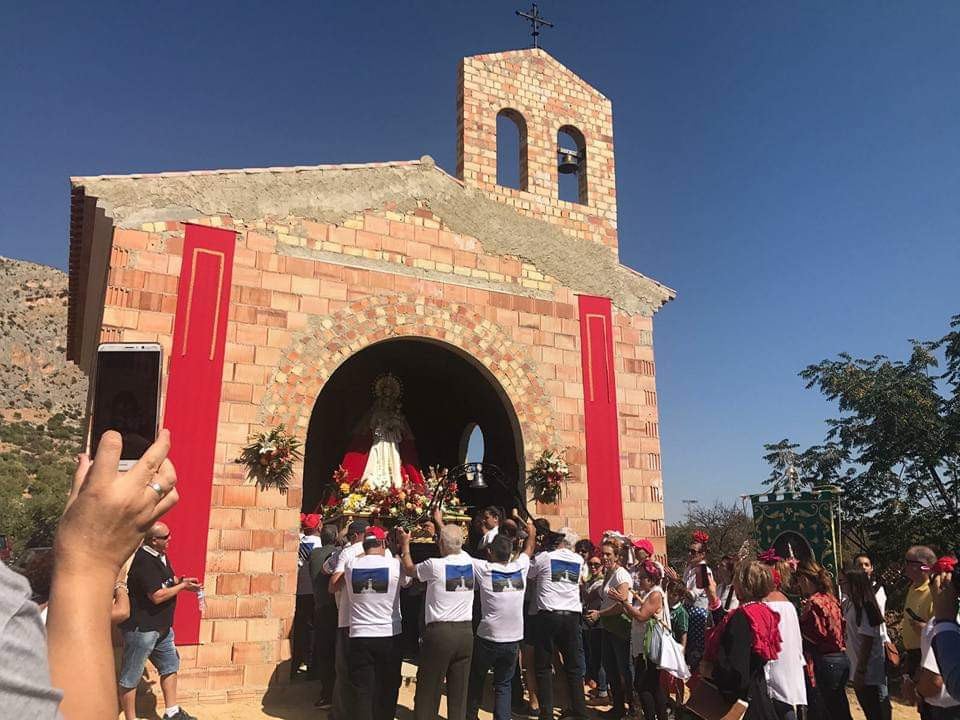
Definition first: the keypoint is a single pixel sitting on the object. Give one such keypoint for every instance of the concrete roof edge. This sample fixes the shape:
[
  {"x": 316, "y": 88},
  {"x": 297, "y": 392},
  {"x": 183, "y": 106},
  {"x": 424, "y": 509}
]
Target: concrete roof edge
[
  {"x": 81, "y": 179},
  {"x": 667, "y": 292}
]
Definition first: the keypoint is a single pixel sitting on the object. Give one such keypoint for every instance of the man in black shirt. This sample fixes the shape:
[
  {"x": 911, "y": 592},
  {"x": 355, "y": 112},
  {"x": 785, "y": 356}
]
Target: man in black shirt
[
  {"x": 148, "y": 633},
  {"x": 325, "y": 624}
]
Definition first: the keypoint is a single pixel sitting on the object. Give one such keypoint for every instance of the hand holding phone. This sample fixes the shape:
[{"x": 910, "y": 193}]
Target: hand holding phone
[{"x": 702, "y": 576}]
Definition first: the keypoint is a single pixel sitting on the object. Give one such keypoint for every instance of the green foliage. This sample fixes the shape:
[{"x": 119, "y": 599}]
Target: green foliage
[
  {"x": 894, "y": 447},
  {"x": 727, "y": 525},
  {"x": 35, "y": 470}
]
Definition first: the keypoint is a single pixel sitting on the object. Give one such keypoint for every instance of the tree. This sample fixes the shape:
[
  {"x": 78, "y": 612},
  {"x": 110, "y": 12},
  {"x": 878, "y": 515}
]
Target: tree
[
  {"x": 35, "y": 474},
  {"x": 894, "y": 448},
  {"x": 727, "y": 525}
]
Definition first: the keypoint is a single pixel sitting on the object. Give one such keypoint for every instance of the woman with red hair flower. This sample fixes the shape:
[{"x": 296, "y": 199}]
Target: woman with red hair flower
[
  {"x": 647, "y": 603},
  {"x": 697, "y": 577}
]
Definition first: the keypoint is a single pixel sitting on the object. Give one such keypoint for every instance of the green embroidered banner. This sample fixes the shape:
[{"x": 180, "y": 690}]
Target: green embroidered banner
[{"x": 802, "y": 524}]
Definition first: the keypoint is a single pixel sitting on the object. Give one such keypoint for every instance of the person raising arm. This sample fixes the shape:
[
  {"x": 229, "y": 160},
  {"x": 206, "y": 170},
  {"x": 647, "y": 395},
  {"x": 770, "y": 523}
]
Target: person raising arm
[{"x": 107, "y": 515}]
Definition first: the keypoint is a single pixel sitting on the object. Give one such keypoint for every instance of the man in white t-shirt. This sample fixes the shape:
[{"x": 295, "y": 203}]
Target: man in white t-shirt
[
  {"x": 937, "y": 702},
  {"x": 557, "y": 624},
  {"x": 447, "y": 640},
  {"x": 372, "y": 583},
  {"x": 335, "y": 566},
  {"x": 501, "y": 584}
]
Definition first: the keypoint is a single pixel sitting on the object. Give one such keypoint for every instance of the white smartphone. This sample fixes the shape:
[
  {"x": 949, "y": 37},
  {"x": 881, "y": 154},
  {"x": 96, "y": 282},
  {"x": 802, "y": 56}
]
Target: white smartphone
[{"x": 125, "y": 396}]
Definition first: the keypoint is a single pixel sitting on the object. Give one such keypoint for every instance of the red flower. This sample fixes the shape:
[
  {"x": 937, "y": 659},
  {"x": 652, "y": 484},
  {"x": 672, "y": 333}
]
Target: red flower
[
  {"x": 944, "y": 565},
  {"x": 769, "y": 557},
  {"x": 701, "y": 537}
]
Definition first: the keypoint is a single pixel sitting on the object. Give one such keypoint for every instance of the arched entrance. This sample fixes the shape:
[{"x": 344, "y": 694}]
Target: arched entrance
[{"x": 446, "y": 394}]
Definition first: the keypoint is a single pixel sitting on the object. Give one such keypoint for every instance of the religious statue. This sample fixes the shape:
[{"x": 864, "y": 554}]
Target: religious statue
[{"x": 382, "y": 453}]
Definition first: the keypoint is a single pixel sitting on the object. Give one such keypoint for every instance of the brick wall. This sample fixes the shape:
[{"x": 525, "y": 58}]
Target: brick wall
[{"x": 300, "y": 306}]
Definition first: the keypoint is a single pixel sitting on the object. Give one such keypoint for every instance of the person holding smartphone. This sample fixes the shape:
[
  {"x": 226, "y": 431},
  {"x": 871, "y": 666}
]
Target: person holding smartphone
[
  {"x": 148, "y": 632},
  {"x": 697, "y": 577}
]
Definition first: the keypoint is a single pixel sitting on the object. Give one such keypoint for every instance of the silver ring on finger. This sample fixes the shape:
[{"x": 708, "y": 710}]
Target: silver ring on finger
[{"x": 157, "y": 488}]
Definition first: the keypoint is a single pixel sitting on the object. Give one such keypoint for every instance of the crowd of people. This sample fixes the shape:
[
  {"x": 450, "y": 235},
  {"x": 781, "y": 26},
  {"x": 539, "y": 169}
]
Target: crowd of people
[
  {"x": 550, "y": 612},
  {"x": 556, "y": 620}
]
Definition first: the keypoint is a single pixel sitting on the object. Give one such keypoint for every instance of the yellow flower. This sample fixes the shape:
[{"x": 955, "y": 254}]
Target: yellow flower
[{"x": 344, "y": 487}]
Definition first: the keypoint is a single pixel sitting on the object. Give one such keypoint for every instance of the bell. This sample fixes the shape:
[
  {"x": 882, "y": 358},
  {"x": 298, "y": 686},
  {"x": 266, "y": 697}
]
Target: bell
[
  {"x": 475, "y": 476},
  {"x": 568, "y": 161}
]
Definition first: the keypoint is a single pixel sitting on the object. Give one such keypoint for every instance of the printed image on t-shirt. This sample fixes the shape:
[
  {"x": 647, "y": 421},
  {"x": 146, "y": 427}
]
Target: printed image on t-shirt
[
  {"x": 459, "y": 578},
  {"x": 506, "y": 581},
  {"x": 370, "y": 580},
  {"x": 564, "y": 571}
]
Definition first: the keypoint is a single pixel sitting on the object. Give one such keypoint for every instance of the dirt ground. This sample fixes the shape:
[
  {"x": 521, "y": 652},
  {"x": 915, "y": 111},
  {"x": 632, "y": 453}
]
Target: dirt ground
[{"x": 296, "y": 703}]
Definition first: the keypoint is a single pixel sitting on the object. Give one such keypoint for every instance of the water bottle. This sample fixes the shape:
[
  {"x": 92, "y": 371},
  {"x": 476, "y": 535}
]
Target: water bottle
[{"x": 201, "y": 601}]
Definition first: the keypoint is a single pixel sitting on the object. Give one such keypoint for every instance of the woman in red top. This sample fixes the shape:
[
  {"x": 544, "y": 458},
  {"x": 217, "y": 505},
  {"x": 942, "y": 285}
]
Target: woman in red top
[{"x": 821, "y": 624}]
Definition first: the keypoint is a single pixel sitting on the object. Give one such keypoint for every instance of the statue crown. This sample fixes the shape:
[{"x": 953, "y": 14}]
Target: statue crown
[{"x": 387, "y": 387}]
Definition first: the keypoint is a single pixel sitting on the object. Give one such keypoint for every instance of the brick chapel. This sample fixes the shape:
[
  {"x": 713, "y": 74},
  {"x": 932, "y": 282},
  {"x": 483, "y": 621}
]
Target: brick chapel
[{"x": 279, "y": 294}]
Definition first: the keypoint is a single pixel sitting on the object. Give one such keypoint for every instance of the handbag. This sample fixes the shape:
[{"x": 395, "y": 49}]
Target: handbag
[
  {"x": 707, "y": 703},
  {"x": 672, "y": 660},
  {"x": 892, "y": 653},
  {"x": 653, "y": 641}
]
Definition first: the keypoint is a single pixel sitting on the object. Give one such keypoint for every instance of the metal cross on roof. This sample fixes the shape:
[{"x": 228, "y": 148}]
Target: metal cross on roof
[{"x": 536, "y": 22}]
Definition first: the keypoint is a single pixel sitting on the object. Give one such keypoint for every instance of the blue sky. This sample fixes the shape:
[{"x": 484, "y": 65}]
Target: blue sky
[{"x": 792, "y": 169}]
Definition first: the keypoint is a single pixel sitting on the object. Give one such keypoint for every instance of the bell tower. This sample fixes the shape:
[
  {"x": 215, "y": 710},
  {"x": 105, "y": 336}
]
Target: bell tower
[{"x": 563, "y": 125}]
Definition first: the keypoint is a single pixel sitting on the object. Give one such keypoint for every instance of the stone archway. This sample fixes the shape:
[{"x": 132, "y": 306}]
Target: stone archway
[
  {"x": 327, "y": 343},
  {"x": 444, "y": 393}
]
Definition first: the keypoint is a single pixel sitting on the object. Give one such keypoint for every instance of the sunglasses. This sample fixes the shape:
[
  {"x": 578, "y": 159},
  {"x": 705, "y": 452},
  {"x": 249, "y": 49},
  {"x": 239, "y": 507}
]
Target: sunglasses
[
  {"x": 593, "y": 565},
  {"x": 162, "y": 537},
  {"x": 694, "y": 551}
]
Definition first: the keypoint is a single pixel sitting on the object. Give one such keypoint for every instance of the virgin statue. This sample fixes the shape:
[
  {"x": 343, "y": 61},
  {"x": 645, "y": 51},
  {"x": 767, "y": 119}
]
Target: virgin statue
[{"x": 382, "y": 453}]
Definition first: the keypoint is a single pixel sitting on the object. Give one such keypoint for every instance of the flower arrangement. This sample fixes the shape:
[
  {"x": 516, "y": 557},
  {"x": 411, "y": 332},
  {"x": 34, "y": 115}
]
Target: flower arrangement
[
  {"x": 405, "y": 506},
  {"x": 545, "y": 479},
  {"x": 270, "y": 458}
]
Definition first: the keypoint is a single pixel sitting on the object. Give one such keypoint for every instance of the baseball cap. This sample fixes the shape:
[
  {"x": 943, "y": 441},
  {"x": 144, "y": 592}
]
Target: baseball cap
[
  {"x": 376, "y": 532},
  {"x": 644, "y": 544}
]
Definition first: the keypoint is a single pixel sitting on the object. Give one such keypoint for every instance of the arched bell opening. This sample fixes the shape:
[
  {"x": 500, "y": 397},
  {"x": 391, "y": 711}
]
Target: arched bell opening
[
  {"x": 444, "y": 392},
  {"x": 511, "y": 149},
  {"x": 572, "y": 165}
]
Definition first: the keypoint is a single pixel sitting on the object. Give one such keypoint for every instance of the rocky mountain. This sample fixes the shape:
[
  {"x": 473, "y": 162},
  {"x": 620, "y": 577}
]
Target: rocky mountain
[
  {"x": 36, "y": 380},
  {"x": 42, "y": 398}
]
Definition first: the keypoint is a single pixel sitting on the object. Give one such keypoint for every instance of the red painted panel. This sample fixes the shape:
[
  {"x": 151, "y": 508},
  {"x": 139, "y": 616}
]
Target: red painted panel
[
  {"x": 605, "y": 503},
  {"x": 193, "y": 403}
]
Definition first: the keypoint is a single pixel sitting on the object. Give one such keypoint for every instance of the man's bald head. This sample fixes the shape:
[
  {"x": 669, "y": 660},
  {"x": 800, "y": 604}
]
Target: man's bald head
[{"x": 158, "y": 537}]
